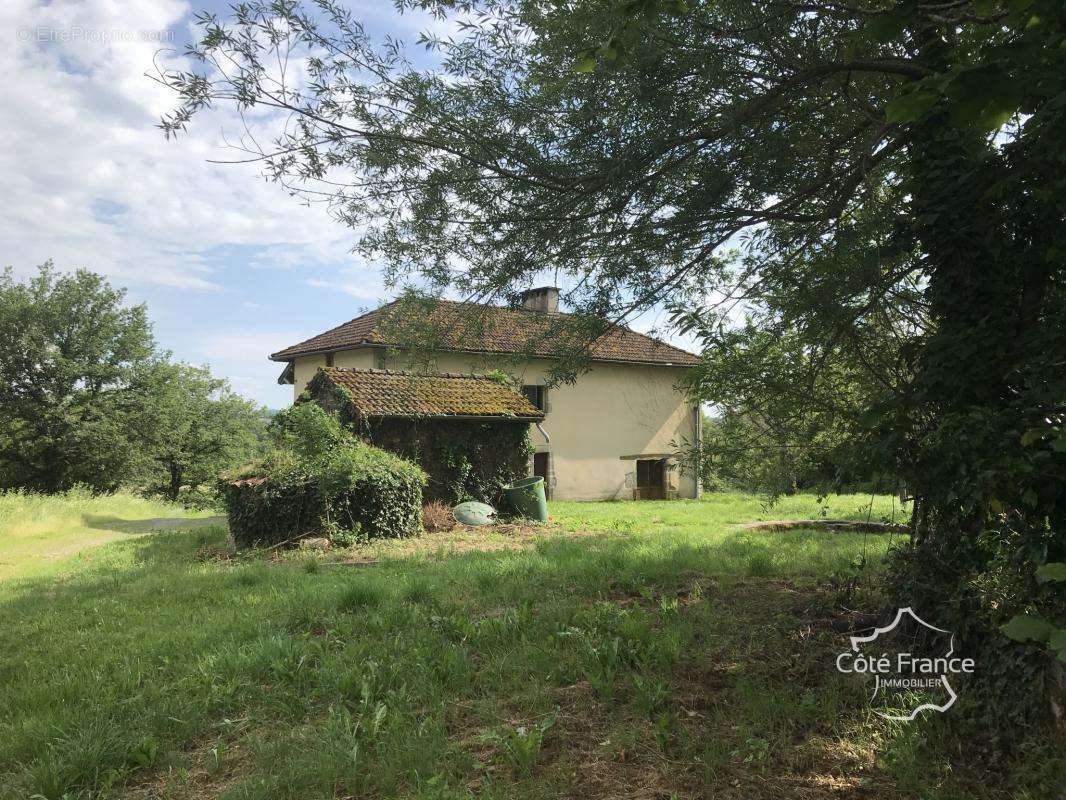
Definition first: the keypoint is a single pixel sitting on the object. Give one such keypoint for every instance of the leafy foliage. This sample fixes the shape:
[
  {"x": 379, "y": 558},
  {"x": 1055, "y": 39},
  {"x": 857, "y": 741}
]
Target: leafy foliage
[
  {"x": 75, "y": 366},
  {"x": 87, "y": 399},
  {"x": 1031, "y": 628},
  {"x": 193, "y": 427},
  {"x": 891, "y": 172},
  {"x": 790, "y": 415},
  {"x": 463, "y": 459},
  {"x": 321, "y": 480}
]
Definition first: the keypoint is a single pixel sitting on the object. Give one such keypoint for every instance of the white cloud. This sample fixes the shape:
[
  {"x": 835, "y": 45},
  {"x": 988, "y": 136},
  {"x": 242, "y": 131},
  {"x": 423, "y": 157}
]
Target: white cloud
[
  {"x": 244, "y": 347},
  {"x": 86, "y": 176},
  {"x": 240, "y": 356},
  {"x": 361, "y": 291},
  {"x": 89, "y": 180}
]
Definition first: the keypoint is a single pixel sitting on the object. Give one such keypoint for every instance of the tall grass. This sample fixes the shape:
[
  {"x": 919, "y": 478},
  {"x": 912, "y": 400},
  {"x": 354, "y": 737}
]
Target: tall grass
[
  {"x": 38, "y": 531},
  {"x": 717, "y": 510}
]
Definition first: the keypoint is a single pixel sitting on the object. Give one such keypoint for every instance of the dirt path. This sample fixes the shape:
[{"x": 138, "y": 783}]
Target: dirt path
[{"x": 30, "y": 552}]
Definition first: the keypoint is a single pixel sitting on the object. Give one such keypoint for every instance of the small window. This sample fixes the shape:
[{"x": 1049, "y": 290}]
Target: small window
[
  {"x": 535, "y": 395},
  {"x": 329, "y": 359}
]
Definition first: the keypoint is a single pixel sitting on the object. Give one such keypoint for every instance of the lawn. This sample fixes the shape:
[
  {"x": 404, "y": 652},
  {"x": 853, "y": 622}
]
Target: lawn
[{"x": 624, "y": 650}]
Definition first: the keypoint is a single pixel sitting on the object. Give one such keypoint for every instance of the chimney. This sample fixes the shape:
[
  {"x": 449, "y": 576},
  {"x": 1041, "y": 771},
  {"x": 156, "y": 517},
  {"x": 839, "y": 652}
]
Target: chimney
[{"x": 544, "y": 300}]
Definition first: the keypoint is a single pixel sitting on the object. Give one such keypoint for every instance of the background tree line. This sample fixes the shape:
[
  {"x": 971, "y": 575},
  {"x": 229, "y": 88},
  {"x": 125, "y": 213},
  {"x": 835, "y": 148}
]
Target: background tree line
[{"x": 87, "y": 397}]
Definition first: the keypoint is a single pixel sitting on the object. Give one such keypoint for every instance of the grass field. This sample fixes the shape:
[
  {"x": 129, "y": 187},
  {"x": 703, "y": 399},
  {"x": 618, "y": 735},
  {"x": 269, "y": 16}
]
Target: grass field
[
  {"x": 625, "y": 650},
  {"x": 38, "y": 532}
]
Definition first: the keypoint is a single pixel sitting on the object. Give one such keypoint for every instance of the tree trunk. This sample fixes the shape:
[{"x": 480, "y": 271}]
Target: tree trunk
[{"x": 175, "y": 482}]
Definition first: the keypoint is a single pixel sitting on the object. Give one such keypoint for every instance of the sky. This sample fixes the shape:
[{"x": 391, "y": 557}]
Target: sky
[{"x": 230, "y": 266}]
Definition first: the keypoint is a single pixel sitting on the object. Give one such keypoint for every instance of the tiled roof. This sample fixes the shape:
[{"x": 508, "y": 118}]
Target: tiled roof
[
  {"x": 469, "y": 327},
  {"x": 383, "y": 393}
]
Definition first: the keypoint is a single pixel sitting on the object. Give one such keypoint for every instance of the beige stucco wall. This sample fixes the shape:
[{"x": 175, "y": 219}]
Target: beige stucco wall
[
  {"x": 613, "y": 410},
  {"x": 306, "y": 366}
]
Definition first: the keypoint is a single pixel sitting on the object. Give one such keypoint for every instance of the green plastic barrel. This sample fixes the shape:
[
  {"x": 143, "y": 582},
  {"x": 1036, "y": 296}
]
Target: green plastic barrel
[{"x": 527, "y": 498}]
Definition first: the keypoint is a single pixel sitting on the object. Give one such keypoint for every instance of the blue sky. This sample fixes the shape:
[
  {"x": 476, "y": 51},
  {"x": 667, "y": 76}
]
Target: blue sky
[{"x": 231, "y": 267}]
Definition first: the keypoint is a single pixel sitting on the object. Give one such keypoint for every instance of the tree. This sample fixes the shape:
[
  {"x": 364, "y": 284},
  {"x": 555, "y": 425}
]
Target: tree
[
  {"x": 891, "y": 169},
  {"x": 74, "y": 361},
  {"x": 194, "y": 427},
  {"x": 86, "y": 397},
  {"x": 782, "y": 424}
]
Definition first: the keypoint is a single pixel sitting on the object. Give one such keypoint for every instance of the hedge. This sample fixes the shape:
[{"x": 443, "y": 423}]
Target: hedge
[{"x": 347, "y": 487}]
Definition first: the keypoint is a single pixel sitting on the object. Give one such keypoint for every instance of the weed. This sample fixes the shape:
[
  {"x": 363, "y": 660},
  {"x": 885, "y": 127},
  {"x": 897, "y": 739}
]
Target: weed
[
  {"x": 713, "y": 759},
  {"x": 650, "y": 694},
  {"x": 759, "y": 565},
  {"x": 345, "y": 538},
  {"x": 669, "y": 606},
  {"x": 602, "y": 661},
  {"x": 665, "y": 725},
  {"x": 903, "y": 757},
  {"x": 522, "y": 745},
  {"x": 217, "y": 753},
  {"x": 755, "y": 751},
  {"x": 417, "y": 592}
]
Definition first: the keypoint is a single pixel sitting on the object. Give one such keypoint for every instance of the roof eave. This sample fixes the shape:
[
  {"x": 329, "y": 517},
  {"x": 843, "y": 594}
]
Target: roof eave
[
  {"x": 285, "y": 355},
  {"x": 481, "y": 417}
]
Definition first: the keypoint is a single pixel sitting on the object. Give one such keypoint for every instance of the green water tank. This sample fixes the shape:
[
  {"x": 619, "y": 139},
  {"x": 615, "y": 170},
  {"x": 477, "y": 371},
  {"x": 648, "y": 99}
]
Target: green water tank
[{"x": 526, "y": 497}]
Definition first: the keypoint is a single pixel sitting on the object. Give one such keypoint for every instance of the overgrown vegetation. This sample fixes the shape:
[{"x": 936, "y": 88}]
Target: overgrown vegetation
[
  {"x": 463, "y": 459},
  {"x": 662, "y": 653},
  {"x": 742, "y": 452},
  {"x": 322, "y": 480}
]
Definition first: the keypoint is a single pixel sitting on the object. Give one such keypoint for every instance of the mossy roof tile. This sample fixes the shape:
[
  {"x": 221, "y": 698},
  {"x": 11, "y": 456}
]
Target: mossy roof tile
[
  {"x": 385, "y": 393},
  {"x": 476, "y": 328}
]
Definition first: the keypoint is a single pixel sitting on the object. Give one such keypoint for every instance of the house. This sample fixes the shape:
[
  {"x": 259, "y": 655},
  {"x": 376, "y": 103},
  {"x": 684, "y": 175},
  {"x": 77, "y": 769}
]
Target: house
[
  {"x": 612, "y": 434},
  {"x": 469, "y": 433}
]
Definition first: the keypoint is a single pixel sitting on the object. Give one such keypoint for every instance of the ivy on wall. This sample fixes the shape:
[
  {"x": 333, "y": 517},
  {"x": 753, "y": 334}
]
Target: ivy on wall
[{"x": 464, "y": 459}]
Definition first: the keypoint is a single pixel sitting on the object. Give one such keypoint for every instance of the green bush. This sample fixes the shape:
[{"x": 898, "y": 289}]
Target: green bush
[{"x": 319, "y": 480}]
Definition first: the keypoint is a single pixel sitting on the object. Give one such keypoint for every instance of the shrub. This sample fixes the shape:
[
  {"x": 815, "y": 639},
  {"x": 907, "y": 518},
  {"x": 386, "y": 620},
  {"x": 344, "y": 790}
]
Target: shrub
[
  {"x": 436, "y": 516},
  {"x": 321, "y": 480},
  {"x": 344, "y": 537}
]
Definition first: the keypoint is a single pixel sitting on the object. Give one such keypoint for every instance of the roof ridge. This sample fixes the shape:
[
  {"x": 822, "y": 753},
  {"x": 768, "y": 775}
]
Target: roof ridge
[{"x": 622, "y": 329}]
